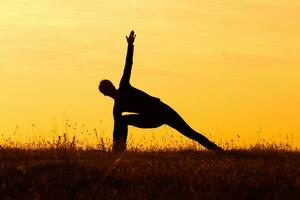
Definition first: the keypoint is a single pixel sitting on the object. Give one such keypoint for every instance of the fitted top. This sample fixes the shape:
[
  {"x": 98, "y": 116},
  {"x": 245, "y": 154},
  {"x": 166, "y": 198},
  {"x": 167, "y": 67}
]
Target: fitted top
[{"x": 129, "y": 98}]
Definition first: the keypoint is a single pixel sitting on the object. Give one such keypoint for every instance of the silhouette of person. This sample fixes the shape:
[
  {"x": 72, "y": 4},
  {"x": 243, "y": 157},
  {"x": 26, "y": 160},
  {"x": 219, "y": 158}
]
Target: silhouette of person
[{"x": 150, "y": 111}]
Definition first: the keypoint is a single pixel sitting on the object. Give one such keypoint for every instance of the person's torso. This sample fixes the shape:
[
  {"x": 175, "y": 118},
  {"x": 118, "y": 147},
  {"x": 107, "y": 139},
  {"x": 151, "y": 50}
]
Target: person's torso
[{"x": 134, "y": 100}]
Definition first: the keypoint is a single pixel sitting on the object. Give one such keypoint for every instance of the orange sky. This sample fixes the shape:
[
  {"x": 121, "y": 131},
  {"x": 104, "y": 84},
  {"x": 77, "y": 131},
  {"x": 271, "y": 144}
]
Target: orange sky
[{"x": 228, "y": 67}]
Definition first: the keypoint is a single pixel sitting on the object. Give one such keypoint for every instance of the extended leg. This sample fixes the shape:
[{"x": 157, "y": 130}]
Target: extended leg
[{"x": 174, "y": 120}]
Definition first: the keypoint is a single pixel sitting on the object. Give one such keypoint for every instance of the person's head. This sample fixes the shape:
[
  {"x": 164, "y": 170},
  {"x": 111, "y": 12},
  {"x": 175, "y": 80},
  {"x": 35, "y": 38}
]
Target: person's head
[{"x": 107, "y": 88}]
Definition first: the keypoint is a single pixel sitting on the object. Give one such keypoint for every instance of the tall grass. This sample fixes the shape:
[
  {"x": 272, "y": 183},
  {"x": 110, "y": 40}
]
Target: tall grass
[
  {"x": 76, "y": 135},
  {"x": 65, "y": 167}
]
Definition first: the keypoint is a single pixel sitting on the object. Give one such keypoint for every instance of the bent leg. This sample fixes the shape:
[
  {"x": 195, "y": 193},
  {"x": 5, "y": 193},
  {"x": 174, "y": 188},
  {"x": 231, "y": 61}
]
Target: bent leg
[
  {"x": 120, "y": 136},
  {"x": 121, "y": 128},
  {"x": 142, "y": 121},
  {"x": 174, "y": 120}
]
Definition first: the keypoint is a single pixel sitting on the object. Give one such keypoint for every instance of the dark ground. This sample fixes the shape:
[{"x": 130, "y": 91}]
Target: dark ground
[{"x": 90, "y": 174}]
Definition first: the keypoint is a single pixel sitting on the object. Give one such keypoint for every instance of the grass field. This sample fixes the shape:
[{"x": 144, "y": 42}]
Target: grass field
[{"x": 74, "y": 173}]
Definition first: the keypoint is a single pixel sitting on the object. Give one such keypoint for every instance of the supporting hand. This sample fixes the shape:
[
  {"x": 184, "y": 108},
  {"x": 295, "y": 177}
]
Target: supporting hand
[{"x": 130, "y": 39}]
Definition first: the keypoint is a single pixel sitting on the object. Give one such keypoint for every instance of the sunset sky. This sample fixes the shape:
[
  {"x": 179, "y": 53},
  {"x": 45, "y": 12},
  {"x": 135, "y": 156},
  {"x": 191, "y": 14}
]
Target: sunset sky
[{"x": 229, "y": 67}]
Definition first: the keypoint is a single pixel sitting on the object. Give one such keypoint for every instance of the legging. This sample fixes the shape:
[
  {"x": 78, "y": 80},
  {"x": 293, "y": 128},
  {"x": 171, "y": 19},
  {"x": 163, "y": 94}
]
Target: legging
[{"x": 158, "y": 115}]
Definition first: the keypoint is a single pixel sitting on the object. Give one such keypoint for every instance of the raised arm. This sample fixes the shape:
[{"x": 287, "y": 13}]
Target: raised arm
[{"x": 128, "y": 65}]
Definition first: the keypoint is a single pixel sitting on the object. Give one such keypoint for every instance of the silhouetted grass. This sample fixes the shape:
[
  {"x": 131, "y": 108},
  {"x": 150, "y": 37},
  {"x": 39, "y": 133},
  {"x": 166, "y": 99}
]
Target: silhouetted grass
[{"x": 67, "y": 172}]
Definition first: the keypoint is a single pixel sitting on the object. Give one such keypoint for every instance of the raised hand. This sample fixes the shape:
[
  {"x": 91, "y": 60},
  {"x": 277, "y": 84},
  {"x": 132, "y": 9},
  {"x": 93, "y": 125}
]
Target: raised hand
[{"x": 130, "y": 39}]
